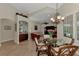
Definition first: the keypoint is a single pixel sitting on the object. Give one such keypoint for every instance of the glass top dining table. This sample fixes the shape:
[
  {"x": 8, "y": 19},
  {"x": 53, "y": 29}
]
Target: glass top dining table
[{"x": 53, "y": 43}]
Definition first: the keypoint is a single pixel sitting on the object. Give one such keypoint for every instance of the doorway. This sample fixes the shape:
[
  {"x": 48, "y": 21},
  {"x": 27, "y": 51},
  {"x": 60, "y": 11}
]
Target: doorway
[{"x": 23, "y": 31}]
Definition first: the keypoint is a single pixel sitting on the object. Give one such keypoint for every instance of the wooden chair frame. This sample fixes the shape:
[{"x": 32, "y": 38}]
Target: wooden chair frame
[
  {"x": 67, "y": 50},
  {"x": 38, "y": 48}
]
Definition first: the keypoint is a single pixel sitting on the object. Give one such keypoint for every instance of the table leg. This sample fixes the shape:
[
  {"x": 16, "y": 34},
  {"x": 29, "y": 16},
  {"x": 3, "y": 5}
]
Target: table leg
[{"x": 49, "y": 50}]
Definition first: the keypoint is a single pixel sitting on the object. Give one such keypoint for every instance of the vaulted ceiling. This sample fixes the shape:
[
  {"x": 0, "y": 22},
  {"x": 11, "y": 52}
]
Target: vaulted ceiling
[{"x": 41, "y": 12}]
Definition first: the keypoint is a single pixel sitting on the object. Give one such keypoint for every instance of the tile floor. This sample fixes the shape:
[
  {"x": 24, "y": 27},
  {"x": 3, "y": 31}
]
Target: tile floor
[{"x": 26, "y": 48}]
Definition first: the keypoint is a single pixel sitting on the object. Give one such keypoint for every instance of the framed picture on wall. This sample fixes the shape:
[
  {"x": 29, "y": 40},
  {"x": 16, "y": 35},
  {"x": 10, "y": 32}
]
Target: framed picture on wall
[
  {"x": 36, "y": 27},
  {"x": 7, "y": 27}
]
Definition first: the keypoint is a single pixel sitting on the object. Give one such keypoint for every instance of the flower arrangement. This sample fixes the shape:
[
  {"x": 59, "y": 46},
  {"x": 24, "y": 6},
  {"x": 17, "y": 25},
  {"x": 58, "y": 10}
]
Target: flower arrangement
[
  {"x": 52, "y": 40},
  {"x": 51, "y": 32}
]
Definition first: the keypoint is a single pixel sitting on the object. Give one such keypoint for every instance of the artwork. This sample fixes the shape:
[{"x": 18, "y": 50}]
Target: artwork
[
  {"x": 36, "y": 28},
  {"x": 6, "y": 27}
]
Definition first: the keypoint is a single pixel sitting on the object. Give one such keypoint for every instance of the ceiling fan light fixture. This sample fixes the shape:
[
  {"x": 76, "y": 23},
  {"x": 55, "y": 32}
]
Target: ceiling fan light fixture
[
  {"x": 62, "y": 18},
  {"x": 52, "y": 20},
  {"x": 59, "y": 17}
]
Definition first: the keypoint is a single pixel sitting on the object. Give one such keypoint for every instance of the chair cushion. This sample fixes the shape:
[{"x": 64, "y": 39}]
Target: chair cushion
[
  {"x": 67, "y": 40},
  {"x": 42, "y": 48},
  {"x": 46, "y": 36},
  {"x": 41, "y": 43}
]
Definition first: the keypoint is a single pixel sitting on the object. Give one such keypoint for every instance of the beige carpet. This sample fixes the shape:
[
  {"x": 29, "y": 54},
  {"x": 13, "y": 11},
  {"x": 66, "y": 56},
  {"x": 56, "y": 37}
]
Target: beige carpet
[{"x": 26, "y": 48}]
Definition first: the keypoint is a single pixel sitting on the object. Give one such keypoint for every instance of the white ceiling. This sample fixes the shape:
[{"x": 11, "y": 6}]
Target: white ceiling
[{"x": 38, "y": 11}]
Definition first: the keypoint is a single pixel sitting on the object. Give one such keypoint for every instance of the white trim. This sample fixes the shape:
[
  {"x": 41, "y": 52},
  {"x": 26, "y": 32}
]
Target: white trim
[
  {"x": 6, "y": 40},
  {"x": 0, "y": 45},
  {"x": 20, "y": 18},
  {"x": 17, "y": 33},
  {"x": 74, "y": 27}
]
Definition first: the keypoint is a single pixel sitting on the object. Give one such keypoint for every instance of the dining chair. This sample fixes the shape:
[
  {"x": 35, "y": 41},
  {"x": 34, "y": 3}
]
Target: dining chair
[
  {"x": 68, "y": 41},
  {"x": 41, "y": 48},
  {"x": 46, "y": 36},
  {"x": 66, "y": 50},
  {"x": 72, "y": 41}
]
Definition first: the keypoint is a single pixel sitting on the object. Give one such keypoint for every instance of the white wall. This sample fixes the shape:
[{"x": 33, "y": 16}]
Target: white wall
[
  {"x": 60, "y": 30},
  {"x": 7, "y": 34},
  {"x": 7, "y": 12},
  {"x": 35, "y": 24}
]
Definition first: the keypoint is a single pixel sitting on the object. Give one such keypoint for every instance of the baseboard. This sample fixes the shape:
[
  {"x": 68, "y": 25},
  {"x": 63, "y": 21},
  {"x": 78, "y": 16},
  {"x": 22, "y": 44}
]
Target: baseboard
[
  {"x": 17, "y": 42},
  {"x": 6, "y": 40}
]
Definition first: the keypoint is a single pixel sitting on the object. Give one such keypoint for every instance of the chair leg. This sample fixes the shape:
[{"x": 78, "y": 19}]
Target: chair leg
[
  {"x": 38, "y": 53},
  {"x": 36, "y": 48}
]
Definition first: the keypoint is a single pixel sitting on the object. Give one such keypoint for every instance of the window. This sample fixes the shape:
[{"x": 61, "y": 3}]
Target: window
[{"x": 68, "y": 26}]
